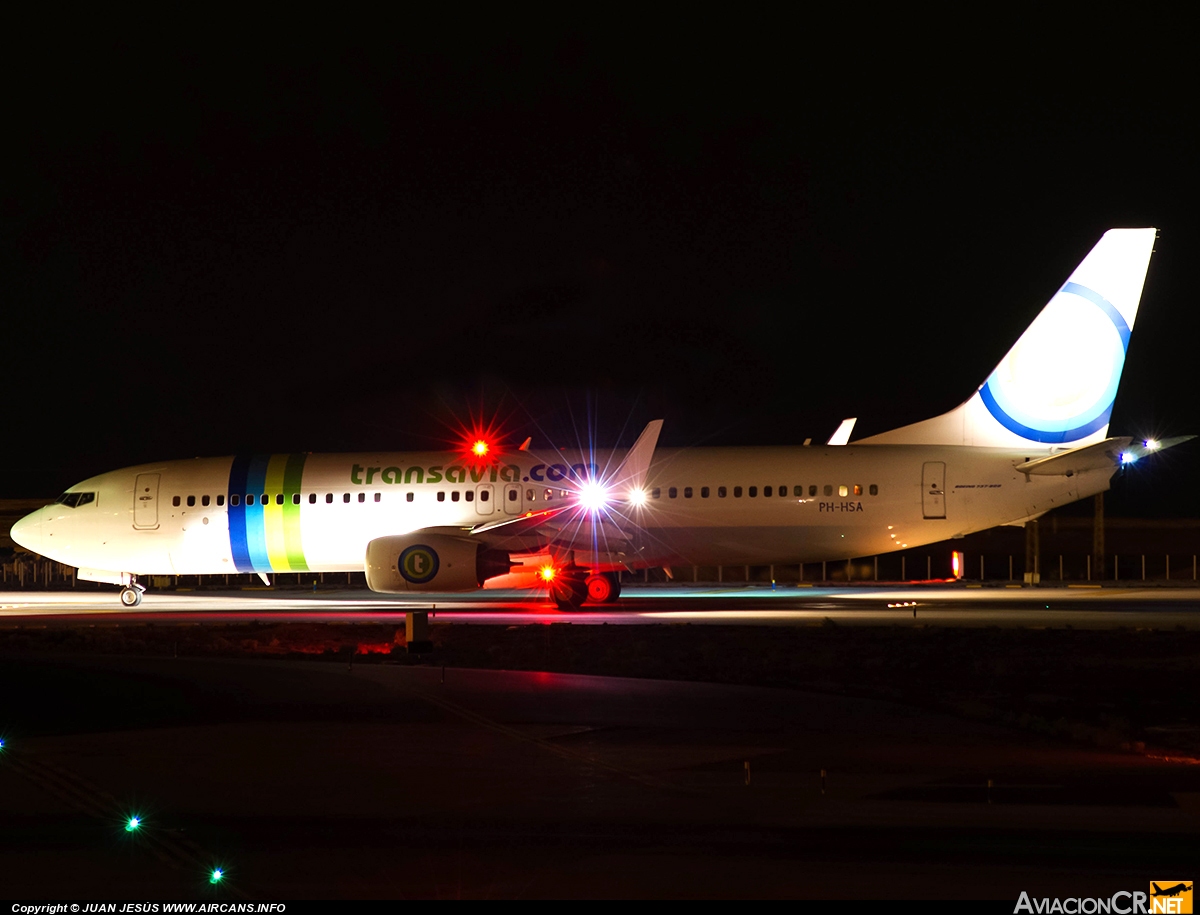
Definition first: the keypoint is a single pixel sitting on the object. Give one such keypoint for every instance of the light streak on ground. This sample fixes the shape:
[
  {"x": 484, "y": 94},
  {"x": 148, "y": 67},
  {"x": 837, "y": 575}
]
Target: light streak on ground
[{"x": 948, "y": 604}]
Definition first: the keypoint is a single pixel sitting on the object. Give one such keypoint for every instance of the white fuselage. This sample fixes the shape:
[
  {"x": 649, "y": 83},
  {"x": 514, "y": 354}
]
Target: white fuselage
[{"x": 704, "y": 506}]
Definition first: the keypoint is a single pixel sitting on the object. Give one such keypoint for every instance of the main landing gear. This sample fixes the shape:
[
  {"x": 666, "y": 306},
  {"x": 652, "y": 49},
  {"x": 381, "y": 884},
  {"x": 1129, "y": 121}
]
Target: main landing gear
[
  {"x": 571, "y": 588},
  {"x": 603, "y": 588},
  {"x": 131, "y": 594}
]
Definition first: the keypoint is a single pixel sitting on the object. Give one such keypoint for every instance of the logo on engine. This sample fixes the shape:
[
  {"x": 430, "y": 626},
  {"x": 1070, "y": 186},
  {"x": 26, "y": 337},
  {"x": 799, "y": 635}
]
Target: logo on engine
[{"x": 418, "y": 564}]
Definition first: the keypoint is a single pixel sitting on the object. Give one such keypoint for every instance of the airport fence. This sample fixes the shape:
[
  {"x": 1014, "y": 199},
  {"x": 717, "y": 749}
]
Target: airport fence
[{"x": 24, "y": 571}]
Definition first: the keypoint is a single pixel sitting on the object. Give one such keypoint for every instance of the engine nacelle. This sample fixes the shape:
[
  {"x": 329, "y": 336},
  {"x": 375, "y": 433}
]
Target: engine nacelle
[{"x": 431, "y": 562}]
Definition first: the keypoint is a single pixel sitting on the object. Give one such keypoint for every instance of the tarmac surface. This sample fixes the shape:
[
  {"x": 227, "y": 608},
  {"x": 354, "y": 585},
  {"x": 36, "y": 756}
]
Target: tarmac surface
[
  {"x": 342, "y": 778},
  {"x": 310, "y": 780}
]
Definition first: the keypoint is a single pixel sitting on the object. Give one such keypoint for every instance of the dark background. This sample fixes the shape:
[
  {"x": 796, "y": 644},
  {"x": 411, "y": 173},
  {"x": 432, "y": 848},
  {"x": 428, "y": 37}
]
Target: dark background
[{"x": 368, "y": 235}]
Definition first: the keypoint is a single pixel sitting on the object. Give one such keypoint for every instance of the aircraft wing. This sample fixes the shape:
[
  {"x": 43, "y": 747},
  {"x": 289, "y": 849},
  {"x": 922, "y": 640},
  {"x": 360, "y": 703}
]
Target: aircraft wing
[{"x": 571, "y": 525}]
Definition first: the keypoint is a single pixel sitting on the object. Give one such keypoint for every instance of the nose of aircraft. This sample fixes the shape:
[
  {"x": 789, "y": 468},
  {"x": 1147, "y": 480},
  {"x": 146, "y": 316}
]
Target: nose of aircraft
[{"x": 28, "y": 532}]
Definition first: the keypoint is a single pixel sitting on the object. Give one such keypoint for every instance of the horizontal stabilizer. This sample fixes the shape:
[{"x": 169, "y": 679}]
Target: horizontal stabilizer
[
  {"x": 1105, "y": 455},
  {"x": 1138, "y": 450}
]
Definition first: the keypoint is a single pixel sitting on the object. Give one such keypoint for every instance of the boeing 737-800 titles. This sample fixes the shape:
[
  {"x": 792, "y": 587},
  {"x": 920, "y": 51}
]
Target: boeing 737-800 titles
[{"x": 1031, "y": 438}]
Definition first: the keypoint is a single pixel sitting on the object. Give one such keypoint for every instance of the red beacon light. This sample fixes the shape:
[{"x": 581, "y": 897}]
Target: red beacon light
[{"x": 480, "y": 448}]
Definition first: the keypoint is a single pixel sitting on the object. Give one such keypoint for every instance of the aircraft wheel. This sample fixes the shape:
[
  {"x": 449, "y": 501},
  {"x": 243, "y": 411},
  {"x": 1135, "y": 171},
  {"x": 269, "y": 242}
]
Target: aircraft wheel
[
  {"x": 131, "y": 597},
  {"x": 603, "y": 588},
  {"x": 569, "y": 593}
]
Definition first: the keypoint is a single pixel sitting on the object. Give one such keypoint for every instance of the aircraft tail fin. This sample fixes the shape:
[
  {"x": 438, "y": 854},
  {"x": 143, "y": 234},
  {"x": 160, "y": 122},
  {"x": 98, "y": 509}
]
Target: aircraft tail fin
[{"x": 1058, "y": 382}]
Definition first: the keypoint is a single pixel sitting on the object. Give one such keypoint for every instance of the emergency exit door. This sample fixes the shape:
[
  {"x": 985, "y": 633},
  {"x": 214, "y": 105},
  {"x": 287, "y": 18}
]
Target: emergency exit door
[
  {"x": 484, "y": 504},
  {"x": 511, "y": 494},
  {"x": 145, "y": 501},
  {"x": 933, "y": 489}
]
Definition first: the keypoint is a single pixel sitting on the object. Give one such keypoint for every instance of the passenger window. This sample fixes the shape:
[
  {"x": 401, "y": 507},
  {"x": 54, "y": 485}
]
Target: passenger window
[
  {"x": 328, "y": 498},
  {"x": 362, "y": 497},
  {"x": 753, "y": 493},
  {"x": 408, "y": 497},
  {"x": 441, "y": 497},
  {"x": 378, "y": 496},
  {"x": 783, "y": 491},
  {"x": 483, "y": 496},
  {"x": 687, "y": 492},
  {"x": 655, "y": 493},
  {"x": 264, "y": 499},
  {"x": 279, "y": 498},
  {"x": 221, "y": 499},
  {"x": 857, "y": 490},
  {"x": 249, "y": 498},
  {"x": 812, "y": 490},
  {"x": 721, "y": 491},
  {"x": 874, "y": 490},
  {"x": 549, "y": 494},
  {"x": 672, "y": 492},
  {"x": 235, "y": 499},
  {"x": 703, "y": 492},
  {"x": 737, "y": 492},
  {"x": 191, "y": 501},
  {"x": 530, "y": 495},
  {"x": 828, "y": 490},
  {"x": 469, "y": 496},
  {"x": 843, "y": 491},
  {"x": 174, "y": 501},
  {"x": 797, "y": 491},
  {"x": 312, "y": 498},
  {"x": 204, "y": 500},
  {"x": 346, "y": 498},
  {"x": 767, "y": 490},
  {"x": 295, "y": 498}
]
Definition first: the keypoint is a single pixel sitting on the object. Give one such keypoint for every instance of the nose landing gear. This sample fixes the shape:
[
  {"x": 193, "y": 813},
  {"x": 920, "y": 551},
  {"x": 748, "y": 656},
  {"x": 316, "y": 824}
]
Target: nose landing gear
[{"x": 131, "y": 594}]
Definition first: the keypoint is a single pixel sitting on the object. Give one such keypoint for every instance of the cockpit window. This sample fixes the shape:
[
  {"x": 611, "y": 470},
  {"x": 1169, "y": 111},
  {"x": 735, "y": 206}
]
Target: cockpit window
[{"x": 75, "y": 499}]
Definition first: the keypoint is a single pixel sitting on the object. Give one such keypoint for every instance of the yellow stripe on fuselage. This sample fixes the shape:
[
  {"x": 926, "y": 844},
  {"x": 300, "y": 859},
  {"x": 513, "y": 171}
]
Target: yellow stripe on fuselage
[{"x": 273, "y": 514}]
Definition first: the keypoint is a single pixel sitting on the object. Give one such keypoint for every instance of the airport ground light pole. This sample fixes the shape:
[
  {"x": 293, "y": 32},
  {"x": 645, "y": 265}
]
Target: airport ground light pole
[
  {"x": 1098, "y": 537},
  {"x": 1032, "y": 574}
]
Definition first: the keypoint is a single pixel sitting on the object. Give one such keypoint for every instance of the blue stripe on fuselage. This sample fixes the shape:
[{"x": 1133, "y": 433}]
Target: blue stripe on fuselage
[
  {"x": 256, "y": 532},
  {"x": 237, "y": 514}
]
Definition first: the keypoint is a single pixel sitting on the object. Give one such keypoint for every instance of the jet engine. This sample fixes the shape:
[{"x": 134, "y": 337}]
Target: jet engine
[{"x": 423, "y": 561}]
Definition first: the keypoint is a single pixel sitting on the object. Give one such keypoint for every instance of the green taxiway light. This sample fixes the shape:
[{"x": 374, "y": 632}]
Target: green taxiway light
[
  {"x": 133, "y": 824},
  {"x": 216, "y": 875}
]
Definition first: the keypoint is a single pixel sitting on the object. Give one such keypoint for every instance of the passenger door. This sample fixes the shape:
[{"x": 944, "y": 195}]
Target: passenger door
[
  {"x": 145, "y": 501},
  {"x": 933, "y": 489}
]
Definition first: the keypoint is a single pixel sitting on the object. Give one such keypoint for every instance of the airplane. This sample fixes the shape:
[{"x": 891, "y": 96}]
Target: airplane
[
  {"x": 1032, "y": 437},
  {"x": 1171, "y": 890}
]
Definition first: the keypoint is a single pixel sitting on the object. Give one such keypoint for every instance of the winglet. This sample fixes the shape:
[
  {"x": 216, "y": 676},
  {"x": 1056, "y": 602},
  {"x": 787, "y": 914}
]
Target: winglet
[
  {"x": 631, "y": 475},
  {"x": 525, "y": 444},
  {"x": 842, "y": 436}
]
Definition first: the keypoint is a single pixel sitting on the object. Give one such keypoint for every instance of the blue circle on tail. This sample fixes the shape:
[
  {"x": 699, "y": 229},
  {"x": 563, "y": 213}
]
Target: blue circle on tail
[{"x": 1083, "y": 423}]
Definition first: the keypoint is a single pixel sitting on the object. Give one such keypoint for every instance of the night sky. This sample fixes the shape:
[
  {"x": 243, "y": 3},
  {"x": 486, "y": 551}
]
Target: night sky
[{"x": 345, "y": 243}]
